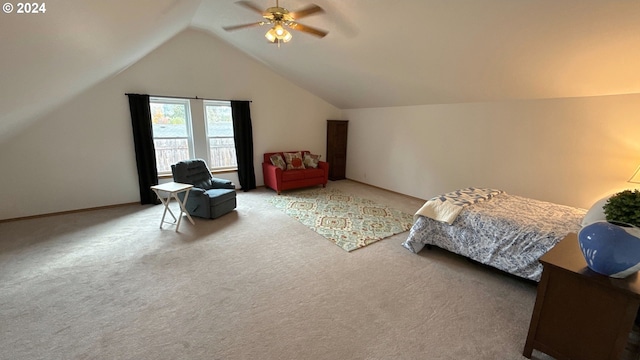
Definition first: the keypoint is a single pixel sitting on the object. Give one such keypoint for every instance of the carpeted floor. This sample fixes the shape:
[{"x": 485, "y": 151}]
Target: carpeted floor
[
  {"x": 254, "y": 284},
  {"x": 348, "y": 221}
]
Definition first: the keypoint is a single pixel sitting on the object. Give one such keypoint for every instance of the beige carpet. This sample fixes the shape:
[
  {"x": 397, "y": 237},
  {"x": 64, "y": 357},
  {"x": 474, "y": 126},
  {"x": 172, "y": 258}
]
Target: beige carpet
[{"x": 254, "y": 284}]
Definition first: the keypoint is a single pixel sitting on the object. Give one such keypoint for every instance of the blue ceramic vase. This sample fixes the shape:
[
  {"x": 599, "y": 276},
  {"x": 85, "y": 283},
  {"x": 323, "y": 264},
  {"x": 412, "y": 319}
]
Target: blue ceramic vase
[{"x": 611, "y": 249}]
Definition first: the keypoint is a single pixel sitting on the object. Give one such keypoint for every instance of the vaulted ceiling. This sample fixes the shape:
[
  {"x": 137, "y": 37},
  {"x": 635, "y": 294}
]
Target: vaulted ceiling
[
  {"x": 406, "y": 52},
  {"x": 377, "y": 53}
]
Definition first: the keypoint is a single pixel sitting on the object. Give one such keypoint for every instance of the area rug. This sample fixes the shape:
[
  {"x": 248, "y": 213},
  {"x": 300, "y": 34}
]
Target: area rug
[{"x": 348, "y": 221}]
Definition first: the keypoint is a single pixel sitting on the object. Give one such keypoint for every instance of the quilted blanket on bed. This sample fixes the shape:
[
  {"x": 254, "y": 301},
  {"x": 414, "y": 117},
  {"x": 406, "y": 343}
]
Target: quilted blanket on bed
[
  {"x": 447, "y": 207},
  {"x": 507, "y": 232}
]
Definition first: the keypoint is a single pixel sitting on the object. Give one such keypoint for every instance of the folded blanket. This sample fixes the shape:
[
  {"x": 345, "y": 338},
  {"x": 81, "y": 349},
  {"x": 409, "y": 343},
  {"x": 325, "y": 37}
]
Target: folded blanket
[{"x": 446, "y": 207}]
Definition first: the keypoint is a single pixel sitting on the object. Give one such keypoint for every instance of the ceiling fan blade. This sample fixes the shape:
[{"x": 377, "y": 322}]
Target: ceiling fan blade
[
  {"x": 251, "y": 6},
  {"x": 308, "y": 29},
  {"x": 236, "y": 27},
  {"x": 312, "y": 9}
]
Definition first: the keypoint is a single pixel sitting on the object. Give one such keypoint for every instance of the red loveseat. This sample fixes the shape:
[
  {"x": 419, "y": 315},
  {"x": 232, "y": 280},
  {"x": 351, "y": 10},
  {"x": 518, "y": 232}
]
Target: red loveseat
[{"x": 278, "y": 179}]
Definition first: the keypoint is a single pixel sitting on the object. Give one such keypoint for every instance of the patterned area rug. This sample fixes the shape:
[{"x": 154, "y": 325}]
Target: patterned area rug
[{"x": 348, "y": 221}]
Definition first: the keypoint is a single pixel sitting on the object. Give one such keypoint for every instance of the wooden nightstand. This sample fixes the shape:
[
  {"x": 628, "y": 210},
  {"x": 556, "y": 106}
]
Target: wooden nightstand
[{"x": 580, "y": 314}]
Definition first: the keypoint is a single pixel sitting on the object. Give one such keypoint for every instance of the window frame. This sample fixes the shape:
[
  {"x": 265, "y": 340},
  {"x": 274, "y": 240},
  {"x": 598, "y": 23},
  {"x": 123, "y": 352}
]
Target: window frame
[
  {"x": 188, "y": 124},
  {"x": 209, "y": 137}
]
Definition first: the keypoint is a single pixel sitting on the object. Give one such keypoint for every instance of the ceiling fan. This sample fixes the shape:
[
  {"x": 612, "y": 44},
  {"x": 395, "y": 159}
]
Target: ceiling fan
[{"x": 280, "y": 19}]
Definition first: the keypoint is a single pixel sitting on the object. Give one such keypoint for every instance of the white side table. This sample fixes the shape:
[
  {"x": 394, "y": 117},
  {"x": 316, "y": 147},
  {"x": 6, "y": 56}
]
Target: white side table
[{"x": 173, "y": 189}]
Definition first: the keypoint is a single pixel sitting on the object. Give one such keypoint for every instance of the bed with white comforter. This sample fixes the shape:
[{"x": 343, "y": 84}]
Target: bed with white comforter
[{"x": 494, "y": 228}]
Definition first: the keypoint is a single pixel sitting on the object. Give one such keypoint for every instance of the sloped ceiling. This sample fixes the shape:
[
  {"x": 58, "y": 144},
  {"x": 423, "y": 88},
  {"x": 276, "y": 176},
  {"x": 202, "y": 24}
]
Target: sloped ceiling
[
  {"x": 405, "y": 52},
  {"x": 377, "y": 54},
  {"x": 45, "y": 59}
]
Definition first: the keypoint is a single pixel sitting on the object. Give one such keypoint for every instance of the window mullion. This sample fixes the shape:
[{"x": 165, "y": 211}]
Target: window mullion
[{"x": 199, "y": 131}]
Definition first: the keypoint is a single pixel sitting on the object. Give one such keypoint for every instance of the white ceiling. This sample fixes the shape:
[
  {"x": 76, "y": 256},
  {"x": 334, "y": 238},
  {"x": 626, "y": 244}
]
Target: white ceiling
[
  {"x": 406, "y": 52},
  {"x": 377, "y": 53},
  {"x": 46, "y": 59}
]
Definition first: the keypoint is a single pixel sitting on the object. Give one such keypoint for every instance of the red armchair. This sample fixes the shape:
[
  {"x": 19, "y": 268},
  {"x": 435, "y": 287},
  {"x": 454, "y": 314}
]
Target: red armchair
[{"x": 279, "y": 180}]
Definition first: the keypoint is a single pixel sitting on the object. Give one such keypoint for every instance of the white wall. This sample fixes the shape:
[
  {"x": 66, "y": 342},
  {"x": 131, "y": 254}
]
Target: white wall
[
  {"x": 81, "y": 154},
  {"x": 570, "y": 151}
]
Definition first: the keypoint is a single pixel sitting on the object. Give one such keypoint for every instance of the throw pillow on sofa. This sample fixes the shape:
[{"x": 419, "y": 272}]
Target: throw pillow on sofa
[
  {"x": 278, "y": 161},
  {"x": 294, "y": 161},
  {"x": 311, "y": 160}
]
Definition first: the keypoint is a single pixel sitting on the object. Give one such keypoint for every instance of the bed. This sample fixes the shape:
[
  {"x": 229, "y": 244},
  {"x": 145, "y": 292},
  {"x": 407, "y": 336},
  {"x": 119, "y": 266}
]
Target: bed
[{"x": 504, "y": 231}]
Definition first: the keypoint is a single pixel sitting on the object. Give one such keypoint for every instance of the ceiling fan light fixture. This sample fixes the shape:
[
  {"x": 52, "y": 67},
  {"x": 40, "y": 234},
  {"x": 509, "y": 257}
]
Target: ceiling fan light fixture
[
  {"x": 271, "y": 35},
  {"x": 278, "y": 33},
  {"x": 286, "y": 36},
  {"x": 280, "y": 19}
]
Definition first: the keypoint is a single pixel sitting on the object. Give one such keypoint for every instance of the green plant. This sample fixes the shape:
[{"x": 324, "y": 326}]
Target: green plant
[{"x": 624, "y": 207}]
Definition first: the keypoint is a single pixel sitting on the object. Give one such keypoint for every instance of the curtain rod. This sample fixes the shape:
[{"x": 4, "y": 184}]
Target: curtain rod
[{"x": 187, "y": 97}]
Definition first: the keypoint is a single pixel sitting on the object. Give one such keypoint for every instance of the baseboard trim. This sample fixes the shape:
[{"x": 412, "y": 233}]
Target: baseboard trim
[
  {"x": 66, "y": 212},
  {"x": 391, "y": 191},
  {"x": 134, "y": 203}
]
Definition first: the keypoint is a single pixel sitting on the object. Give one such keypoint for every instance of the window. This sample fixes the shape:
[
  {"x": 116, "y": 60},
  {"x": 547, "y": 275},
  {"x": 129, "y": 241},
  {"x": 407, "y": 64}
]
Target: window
[
  {"x": 222, "y": 150},
  {"x": 171, "y": 123},
  {"x": 180, "y": 134}
]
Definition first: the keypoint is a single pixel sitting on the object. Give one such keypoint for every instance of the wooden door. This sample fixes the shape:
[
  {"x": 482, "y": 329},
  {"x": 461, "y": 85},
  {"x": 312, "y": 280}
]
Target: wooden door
[{"x": 337, "y": 148}]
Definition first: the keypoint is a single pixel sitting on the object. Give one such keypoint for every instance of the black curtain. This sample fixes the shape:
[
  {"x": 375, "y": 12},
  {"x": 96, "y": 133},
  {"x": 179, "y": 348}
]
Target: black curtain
[
  {"x": 145, "y": 151},
  {"x": 243, "y": 136}
]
